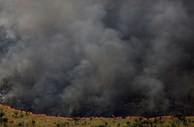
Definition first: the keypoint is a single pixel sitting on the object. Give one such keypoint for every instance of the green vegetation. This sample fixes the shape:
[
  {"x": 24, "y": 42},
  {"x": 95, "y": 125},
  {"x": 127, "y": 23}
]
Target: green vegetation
[{"x": 16, "y": 118}]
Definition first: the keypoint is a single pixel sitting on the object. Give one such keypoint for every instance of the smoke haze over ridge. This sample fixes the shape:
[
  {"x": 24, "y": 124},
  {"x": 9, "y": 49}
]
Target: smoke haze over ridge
[{"x": 97, "y": 57}]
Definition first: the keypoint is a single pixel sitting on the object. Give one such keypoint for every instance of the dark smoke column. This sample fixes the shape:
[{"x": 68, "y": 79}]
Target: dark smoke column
[{"x": 97, "y": 57}]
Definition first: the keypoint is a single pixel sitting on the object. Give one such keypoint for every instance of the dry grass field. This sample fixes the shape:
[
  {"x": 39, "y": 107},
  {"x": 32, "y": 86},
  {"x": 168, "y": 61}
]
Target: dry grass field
[{"x": 15, "y": 118}]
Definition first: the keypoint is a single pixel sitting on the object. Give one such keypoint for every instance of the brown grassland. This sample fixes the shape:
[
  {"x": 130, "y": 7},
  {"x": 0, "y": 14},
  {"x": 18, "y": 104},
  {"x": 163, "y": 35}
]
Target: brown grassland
[{"x": 10, "y": 117}]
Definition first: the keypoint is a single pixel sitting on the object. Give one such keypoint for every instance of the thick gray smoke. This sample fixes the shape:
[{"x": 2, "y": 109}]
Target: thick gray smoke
[{"x": 97, "y": 57}]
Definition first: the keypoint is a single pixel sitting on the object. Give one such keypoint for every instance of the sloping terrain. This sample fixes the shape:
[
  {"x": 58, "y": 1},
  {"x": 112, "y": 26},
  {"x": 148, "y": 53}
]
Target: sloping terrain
[{"x": 10, "y": 117}]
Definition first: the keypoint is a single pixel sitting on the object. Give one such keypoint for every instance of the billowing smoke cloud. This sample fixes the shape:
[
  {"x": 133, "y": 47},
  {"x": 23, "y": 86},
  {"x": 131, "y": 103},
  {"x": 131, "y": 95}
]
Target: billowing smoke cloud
[{"x": 97, "y": 57}]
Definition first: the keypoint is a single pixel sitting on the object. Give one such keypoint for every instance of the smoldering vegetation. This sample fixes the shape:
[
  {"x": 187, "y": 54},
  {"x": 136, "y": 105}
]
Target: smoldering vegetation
[{"x": 97, "y": 57}]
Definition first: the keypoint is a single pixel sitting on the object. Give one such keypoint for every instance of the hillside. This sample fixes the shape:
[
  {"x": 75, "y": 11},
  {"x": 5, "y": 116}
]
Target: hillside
[{"x": 10, "y": 117}]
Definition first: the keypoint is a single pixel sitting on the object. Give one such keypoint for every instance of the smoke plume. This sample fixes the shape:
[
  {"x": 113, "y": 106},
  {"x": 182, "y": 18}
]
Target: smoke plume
[{"x": 97, "y": 57}]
